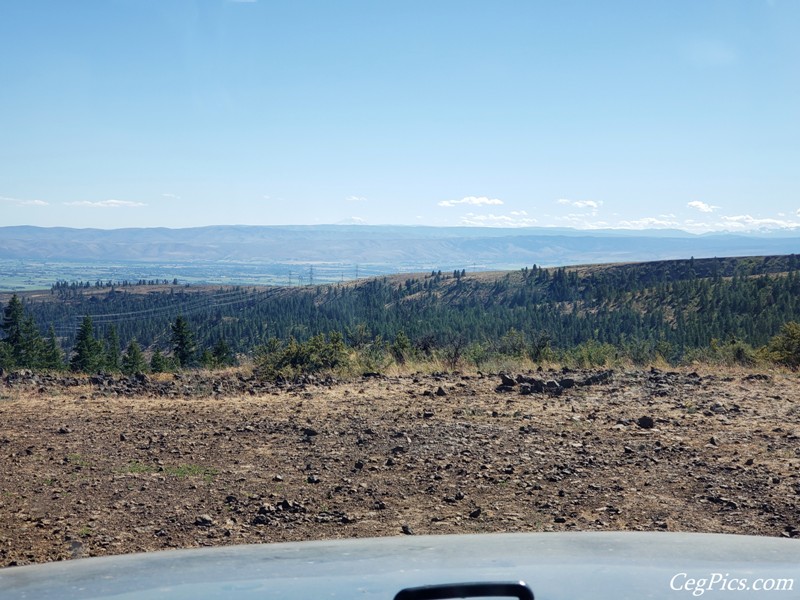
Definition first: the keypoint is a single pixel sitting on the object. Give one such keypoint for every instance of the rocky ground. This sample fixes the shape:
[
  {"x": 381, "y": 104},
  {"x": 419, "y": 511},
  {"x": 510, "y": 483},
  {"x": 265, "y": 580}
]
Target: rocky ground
[{"x": 107, "y": 466}]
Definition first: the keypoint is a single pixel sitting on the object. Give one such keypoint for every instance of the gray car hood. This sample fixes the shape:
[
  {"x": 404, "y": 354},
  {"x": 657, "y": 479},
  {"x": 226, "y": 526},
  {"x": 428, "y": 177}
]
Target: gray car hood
[{"x": 554, "y": 565}]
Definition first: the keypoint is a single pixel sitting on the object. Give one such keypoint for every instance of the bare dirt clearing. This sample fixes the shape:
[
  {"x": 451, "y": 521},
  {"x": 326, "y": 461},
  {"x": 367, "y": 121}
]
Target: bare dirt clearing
[{"x": 109, "y": 467}]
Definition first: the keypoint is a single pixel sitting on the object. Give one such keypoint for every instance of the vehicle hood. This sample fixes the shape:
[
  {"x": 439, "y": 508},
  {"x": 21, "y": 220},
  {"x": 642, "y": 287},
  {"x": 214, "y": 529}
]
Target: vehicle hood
[{"x": 554, "y": 565}]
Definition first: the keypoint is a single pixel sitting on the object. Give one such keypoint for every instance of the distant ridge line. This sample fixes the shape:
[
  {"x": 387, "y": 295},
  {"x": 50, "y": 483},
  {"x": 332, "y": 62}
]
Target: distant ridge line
[{"x": 390, "y": 247}]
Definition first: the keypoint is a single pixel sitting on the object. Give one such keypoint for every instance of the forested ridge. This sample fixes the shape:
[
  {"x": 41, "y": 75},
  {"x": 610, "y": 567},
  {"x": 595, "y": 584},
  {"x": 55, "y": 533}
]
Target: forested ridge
[{"x": 670, "y": 310}]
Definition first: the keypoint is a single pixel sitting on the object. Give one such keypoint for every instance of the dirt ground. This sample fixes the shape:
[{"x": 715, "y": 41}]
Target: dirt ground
[{"x": 103, "y": 467}]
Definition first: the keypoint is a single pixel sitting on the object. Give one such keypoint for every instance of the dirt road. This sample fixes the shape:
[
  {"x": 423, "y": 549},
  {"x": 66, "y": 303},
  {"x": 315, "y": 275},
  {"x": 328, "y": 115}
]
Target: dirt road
[{"x": 108, "y": 467}]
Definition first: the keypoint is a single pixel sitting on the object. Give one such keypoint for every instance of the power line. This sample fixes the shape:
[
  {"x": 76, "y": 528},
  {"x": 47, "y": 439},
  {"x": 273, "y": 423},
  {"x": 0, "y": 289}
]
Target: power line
[{"x": 191, "y": 306}]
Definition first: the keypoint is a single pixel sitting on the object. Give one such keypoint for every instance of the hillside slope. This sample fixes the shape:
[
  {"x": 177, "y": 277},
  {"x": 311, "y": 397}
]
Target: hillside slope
[{"x": 669, "y": 307}]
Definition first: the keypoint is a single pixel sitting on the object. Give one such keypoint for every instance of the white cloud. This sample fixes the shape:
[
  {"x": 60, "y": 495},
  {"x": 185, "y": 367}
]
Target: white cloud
[
  {"x": 581, "y": 203},
  {"x": 697, "y": 226},
  {"x": 580, "y": 221},
  {"x": 106, "y": 204},
  {"x": 747, "y": 222},
  {"x": 587, "y": 204},
  {"x": 647, "y": 223},
  {"x": 702, "y": 206},
  {"x": 353, "y": 221},
  {"x": 21, "y": 202},
  {"x": 472, "y": 201},
  {"x": 515, "y": 219},
  {"x": 798, "y": 212},
  {"x": 356, "y": 199},
  {"x": 171, "y": 196},
  {"x": 735, "y": 223}
]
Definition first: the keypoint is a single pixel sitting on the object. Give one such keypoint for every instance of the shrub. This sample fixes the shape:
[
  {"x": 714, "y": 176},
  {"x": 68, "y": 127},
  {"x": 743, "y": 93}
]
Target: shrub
[
  {"x": 401, "y": 348},
  {"x": 319, "y": 354},
  {"x": 592, "y": 354},
  {"x": 784, "y": 348},
  {"x": 513, "y": 343},
  {"x": 733, "y": 353},
  {"x": 477, "y": 354},
  {"x": 540, "y": 350},
  {"x": 453, "y": 351},
  {"x": 374, "y": 356}
]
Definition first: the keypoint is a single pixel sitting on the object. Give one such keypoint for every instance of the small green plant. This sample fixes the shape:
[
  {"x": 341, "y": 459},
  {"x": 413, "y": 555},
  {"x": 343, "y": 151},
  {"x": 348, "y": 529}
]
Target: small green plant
[
  {"x": 183, "y": 471},
  {"x": 139, "y": 467},
  {"x": 77, "y": 459}
]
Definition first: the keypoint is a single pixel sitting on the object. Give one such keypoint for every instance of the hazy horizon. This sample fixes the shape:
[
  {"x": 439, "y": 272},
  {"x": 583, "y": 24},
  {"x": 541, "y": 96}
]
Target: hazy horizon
[{"x": 494, "y": 230}]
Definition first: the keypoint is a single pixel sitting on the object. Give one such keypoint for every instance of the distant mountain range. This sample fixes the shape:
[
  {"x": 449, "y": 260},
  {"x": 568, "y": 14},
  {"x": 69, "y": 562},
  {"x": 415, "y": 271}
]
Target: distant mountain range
[{"x": 398, "y": 248}]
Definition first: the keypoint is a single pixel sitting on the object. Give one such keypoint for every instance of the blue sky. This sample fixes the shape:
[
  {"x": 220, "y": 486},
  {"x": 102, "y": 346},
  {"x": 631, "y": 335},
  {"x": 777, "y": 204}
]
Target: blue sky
[{"x": 179, "y": 113}]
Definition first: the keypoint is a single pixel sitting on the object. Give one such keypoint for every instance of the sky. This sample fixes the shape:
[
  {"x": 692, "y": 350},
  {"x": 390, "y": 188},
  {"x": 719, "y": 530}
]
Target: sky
[{"x": 181, "y": 113}]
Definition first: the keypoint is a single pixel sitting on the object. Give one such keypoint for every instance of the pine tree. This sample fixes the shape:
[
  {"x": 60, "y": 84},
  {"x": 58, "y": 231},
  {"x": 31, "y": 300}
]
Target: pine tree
[
  {"x": 221, "y": 353},
  {"x": 6, "y": 356},
  {"x": 31, "y": 345},
  {"x": 158, "y": 363},
  {"x": 133, "y": 360},
  {"x": 52, "y": 357},
  {"x": 112, "y": 349},
  {"x": 207, "y": 359},
  {"x": 183, "y": 346},
  {"x": 88, "y": 351},
  {"x": 13, "y": 316}
]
